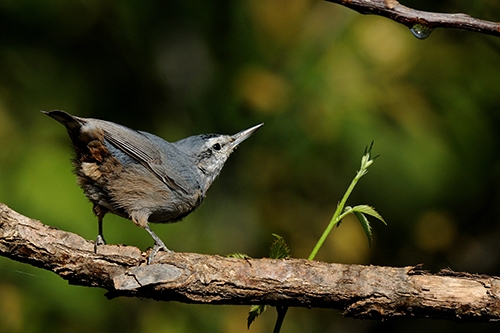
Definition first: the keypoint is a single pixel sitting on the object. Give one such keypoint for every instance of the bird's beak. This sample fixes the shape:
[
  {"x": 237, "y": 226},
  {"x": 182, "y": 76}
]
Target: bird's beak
[{"x": 243, "y": 135}]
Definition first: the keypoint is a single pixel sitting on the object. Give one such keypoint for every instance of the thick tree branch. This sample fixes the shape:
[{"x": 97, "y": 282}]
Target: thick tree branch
[
  {"x": 369, "y": 292},
  {"x": 395, "y": 11}
]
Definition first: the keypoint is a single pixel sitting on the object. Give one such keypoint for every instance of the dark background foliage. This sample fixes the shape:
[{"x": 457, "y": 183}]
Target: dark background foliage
[{"x": 325, "y": 80}]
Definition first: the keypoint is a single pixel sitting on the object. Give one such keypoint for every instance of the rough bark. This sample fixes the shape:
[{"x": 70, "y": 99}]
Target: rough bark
[
  {"x": 395, "y": 11},
  {"x": 368, "y": 292}
]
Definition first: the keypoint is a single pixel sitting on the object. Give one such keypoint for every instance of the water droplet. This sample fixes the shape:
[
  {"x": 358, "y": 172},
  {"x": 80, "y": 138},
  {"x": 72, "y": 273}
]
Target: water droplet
[{"x": 421, "y": 31}]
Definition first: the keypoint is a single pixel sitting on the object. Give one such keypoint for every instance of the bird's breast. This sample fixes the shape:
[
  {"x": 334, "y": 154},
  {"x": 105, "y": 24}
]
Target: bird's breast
[{"x": 135, "y": 188}]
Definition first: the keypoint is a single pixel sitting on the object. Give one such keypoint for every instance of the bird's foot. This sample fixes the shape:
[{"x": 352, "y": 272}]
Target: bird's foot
[
  {"x": 98, "y": 242},
  {"x": 157, "y": 247}
]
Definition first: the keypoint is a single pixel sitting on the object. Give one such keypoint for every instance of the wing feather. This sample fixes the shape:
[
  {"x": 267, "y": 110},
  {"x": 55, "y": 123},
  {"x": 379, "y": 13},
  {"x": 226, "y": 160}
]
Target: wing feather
[{"x": 145, "y": 151}]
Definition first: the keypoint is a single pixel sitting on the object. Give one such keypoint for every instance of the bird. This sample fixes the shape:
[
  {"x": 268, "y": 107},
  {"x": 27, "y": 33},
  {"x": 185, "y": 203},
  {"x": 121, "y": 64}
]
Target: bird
[{"x": 140, "y": 176}]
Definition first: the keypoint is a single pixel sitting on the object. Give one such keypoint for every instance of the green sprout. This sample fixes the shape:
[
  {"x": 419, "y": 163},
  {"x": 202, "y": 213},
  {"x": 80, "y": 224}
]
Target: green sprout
[{"x": 279, "y": 248}]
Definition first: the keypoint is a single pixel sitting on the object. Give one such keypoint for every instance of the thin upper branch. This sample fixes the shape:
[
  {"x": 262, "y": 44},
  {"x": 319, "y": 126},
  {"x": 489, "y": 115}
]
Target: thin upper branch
[
  {"x": 395, "y": 11},
  {"x": 369, "y": 292}
]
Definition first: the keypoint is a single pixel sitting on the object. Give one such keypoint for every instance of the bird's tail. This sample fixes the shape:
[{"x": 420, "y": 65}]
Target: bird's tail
[{"x": 73, "y": 124}]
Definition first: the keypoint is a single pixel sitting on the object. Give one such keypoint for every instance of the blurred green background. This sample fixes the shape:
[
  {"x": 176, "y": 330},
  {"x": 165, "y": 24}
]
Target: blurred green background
[{"x": 325, "y": 80}]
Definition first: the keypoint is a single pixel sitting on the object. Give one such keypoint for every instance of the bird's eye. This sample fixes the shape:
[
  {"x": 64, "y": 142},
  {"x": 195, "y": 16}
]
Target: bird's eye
[{"x": 216, "y": 146}]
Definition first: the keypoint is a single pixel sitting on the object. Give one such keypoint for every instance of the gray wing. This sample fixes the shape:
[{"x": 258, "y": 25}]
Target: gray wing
[{"x": 142, "y": 149}]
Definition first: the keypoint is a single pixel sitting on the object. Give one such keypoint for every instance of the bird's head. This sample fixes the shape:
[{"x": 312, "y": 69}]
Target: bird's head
[{"x": 209, "y": 152}]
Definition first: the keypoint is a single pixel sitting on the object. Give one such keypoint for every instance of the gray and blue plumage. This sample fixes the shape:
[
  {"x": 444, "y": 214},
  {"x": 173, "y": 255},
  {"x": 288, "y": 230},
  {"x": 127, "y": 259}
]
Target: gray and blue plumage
[{"x": 140, "y": 176}]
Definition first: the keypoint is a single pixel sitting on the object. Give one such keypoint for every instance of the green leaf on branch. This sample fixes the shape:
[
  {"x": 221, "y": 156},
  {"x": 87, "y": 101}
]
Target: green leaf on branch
[
  {"x": 255, "y": 311},
  {"x": 279, "y": 248},
  {"x": 369, "y": 210},
  {"x": 366, "y": 226},
  {"x": 359, "y": 212},
  {"x": 238, "y": 255}
]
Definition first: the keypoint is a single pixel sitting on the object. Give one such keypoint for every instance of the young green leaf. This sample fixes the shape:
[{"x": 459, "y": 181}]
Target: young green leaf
[
  {"x": 238, "y": 255},
  {"x": 369, "y": 210},
  {"x": 255, "y": 311},
  {"x": 279, "y": 248},
  {"x": 365, "y": 224}
]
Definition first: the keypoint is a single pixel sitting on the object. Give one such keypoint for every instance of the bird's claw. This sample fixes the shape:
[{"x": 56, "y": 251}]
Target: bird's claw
[
  {"x": 157, "y": 247},
  {"x": 98, "y": 242}
]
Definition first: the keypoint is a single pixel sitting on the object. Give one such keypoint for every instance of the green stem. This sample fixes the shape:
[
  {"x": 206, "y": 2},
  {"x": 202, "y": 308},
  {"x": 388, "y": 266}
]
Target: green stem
[{"x": 337, "y": 216}]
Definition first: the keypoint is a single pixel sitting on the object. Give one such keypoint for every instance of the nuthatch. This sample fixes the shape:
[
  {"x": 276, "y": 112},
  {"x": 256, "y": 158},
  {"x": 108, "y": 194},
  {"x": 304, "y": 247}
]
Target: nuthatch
[{"x": 140, "y": 176}]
